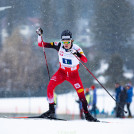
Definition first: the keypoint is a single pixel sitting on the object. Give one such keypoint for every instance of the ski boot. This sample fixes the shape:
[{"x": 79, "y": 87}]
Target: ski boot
[
  {"x": 89, "y": 117},
  {"x": 50, "y": 113}
]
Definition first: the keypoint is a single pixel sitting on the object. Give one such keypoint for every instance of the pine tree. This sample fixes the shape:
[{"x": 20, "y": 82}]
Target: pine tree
[
  {"x": 114, "y": 72},
  {"x": 112, "y": 25}
]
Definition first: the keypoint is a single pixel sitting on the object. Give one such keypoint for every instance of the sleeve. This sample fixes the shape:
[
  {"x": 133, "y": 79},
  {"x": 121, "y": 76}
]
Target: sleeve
[
  {"x": 41, "y": 43},
  {"x": 81, "y": 55}
]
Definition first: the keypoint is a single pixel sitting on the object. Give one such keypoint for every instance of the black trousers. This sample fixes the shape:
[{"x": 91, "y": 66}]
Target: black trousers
[
  {"x": 119, "y": 111},
  {"x": 128, "y": 108}
]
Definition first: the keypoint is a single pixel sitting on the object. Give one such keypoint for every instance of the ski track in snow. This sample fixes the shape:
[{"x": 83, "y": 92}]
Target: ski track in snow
[{"x": 43, "y": 126}]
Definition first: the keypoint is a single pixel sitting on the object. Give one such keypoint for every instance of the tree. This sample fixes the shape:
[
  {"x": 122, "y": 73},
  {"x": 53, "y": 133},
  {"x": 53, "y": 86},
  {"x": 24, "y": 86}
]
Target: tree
[
  {"x": 58, "y": 16},
  {"x": 20, "y": 68},
  {"x": 114, "y": 72},
  {"x": 112, "y": 25}
]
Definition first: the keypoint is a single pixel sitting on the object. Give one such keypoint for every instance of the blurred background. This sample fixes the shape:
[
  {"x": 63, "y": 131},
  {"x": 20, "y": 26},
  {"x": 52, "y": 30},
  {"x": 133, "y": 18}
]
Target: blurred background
[{"x": 104, "y": 29}]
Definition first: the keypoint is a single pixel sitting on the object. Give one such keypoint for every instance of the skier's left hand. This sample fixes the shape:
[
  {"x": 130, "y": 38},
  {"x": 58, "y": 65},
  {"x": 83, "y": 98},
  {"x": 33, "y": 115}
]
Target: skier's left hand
[{"x": 73, "y": 51}]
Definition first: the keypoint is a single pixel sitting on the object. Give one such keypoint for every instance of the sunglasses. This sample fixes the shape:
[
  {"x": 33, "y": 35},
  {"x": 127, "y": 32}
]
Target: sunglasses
[{"x": 65, "y": 42}]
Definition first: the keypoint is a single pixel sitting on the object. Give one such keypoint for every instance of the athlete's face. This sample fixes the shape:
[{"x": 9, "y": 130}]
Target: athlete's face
[{"x": 66, "y": 43}]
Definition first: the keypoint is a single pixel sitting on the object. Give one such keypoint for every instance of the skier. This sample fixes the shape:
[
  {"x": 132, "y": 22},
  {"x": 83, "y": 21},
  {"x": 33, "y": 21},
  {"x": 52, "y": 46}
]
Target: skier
[{"x": 68, "y": 70}]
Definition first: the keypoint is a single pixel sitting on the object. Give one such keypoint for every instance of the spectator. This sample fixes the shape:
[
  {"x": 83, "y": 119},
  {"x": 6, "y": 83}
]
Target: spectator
[
  {"x": 122, "y": 102},
  {"x": 80, "y": 108},
  {"x": 129, "y": 98},
  {"x": 88, "y": 98},
  {"x": 118, "y": 89},
  {"x": 93, "y": 110}
]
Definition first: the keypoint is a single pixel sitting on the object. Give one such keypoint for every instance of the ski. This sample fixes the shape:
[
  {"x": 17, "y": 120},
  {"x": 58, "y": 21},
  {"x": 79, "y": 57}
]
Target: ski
[
  {"x": 49, "y": 118},
  {"x": 99, "y": 121},
  {"x": 104, "y": 122},
  {"x": 37, "y": 117}
]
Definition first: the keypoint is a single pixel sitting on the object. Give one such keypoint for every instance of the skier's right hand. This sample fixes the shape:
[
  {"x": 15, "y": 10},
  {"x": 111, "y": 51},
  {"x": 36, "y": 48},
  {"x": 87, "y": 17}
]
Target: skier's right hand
[
  {"x": 39, "y": 31},
  {"x": 73, "y": 51}
]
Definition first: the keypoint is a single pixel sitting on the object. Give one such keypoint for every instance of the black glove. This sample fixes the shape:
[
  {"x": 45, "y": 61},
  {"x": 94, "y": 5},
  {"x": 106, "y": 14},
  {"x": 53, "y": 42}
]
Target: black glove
[
  {"x": 39, "y": 31},
  {"x": 73, "y": 51}
]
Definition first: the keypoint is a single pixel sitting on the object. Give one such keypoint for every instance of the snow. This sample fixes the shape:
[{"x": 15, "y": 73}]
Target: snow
[
  {"x": 3, "y": 8},
  {"x": 43, "y": 126},
  {"x": 128, "y": 75},
  {"x": 24, "y": 30},
  {"x": 101, "y": 79},
  {"x": 103, "y": 67},
  {"x": 66, "y": 104},
  {"x": 100, "y": 71}
]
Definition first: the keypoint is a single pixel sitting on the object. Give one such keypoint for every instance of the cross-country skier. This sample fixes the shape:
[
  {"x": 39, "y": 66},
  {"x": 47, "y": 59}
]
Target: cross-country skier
[{"x": 68, "y": 70}]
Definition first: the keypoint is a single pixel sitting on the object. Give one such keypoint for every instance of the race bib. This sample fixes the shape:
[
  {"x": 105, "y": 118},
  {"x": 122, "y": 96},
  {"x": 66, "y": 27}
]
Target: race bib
[{"x": 67, "y": 61}]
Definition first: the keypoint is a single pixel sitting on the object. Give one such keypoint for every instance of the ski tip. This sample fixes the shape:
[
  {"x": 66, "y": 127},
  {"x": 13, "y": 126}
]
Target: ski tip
[
  {"x": 18, "y": 117},
  {"x": 39, "y": 117}
]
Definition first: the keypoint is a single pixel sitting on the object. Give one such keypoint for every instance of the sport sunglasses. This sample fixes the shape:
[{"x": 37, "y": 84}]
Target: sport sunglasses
[{"x": 65, "y": 42}]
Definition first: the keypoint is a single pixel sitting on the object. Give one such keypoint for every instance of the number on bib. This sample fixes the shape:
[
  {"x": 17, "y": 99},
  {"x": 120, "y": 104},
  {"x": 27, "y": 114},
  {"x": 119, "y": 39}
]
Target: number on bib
[{"x": 67, "y": 61}]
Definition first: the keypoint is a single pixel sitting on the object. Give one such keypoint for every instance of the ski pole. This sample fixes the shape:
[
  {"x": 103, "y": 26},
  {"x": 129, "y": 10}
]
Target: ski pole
[
  {"x": 99, "y": 83},
  {"x": 46, "y": 61},
  {"x": 45, "y": 57}
]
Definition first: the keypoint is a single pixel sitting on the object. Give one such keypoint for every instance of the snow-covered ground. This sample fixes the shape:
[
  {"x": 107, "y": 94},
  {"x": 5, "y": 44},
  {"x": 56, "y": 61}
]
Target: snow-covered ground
[
  {"x": 42, "y": 126},
  {"x": 66, "y": 104}
]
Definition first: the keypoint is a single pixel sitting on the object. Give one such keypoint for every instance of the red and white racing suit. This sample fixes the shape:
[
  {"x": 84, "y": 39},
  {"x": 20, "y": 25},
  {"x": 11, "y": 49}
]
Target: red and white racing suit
[{"x": 68, "y": 70}]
